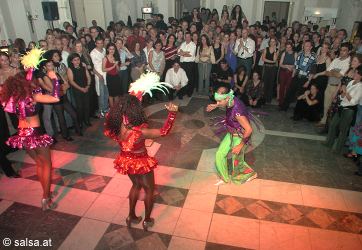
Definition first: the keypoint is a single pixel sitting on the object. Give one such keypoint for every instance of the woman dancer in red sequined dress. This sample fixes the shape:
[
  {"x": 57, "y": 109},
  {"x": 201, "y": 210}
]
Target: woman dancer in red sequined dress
[{"x": 126, "y": 123}]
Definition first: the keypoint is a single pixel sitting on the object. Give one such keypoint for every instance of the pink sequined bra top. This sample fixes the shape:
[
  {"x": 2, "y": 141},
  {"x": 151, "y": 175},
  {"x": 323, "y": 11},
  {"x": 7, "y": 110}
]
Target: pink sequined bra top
[{"x": 23, "y": 108}]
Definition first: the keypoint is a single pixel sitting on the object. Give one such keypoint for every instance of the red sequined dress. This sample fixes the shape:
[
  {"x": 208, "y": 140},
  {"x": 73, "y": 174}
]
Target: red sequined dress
[{"x": 133, "y": 157}]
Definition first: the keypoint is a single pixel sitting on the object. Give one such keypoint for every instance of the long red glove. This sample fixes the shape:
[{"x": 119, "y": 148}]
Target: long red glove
[{"x": 168, "y": 123}]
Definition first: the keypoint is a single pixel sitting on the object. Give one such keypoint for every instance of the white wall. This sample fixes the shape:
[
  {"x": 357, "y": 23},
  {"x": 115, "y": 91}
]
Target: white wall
[
  {"x": 14, "y": 23},
  {"x": 165, "y": 7},
  {"x": 17, "y": 23},
  {"x": 78, "y": 12},
  {"x": 94, "y": 10},
  {"x": 16, "y": 16},
  {"x": 7, "y": 28},
  {"x": 254, "y": 9},
  {"x": 123, "y": 8},
  {"x": 348, "y": 14}
]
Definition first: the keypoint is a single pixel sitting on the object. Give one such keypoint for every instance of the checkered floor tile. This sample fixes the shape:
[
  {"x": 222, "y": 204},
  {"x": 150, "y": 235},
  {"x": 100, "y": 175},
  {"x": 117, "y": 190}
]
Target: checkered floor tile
[{"x": 190, "y": 211}]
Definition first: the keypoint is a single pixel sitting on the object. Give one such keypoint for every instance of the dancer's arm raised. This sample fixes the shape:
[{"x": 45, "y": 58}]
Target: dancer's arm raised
[{"x": 166, "y": 128}]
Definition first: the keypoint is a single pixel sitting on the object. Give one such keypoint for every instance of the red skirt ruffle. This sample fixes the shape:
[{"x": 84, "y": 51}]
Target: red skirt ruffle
[{"x": 131, "y": 163}]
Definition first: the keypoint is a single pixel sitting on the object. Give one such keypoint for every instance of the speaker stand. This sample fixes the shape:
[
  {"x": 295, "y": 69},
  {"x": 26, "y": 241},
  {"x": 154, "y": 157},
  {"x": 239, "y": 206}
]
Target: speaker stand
[{"x": 51, "y": 24}]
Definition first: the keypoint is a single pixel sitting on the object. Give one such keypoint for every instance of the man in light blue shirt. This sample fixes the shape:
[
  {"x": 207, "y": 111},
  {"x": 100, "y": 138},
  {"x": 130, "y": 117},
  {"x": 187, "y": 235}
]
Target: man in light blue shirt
[{"x": 124, "y": 54}]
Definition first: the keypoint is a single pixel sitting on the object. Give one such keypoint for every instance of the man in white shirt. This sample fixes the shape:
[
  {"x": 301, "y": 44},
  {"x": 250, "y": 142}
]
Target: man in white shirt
[
  {"x": 350, "y": 97},
  {"x": 187, "y": 52},
  {"x": 58, "y": 45},
  {"x": 97, "y": 55},
  {"x": 335, "y": 72},
  {"x": 176, "y": 76},
  {"x": 244, "y": 50}
]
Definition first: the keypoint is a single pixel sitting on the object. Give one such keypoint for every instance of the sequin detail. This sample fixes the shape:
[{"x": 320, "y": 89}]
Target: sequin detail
[
  {"x": 132, "y": 163},
  {"x": 133, "y": 157},
  {"x": 30, "y": 138}
]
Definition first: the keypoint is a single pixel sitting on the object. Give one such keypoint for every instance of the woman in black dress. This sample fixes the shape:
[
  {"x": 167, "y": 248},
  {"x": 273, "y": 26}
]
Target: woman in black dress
[
  {"x": 80, "y": 81},
  {"x": 218, "y": 52},
  {"x": 323, "y": 60},
  {"x": 270, "y": 58}
]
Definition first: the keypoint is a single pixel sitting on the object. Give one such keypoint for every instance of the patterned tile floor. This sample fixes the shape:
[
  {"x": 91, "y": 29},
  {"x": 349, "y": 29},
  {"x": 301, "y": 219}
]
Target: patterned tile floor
[{"x": 305, "y": 197}]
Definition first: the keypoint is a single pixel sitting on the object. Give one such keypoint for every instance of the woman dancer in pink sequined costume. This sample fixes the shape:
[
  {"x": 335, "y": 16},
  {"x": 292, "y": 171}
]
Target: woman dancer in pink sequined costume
[{"x": 19, "y": 95}]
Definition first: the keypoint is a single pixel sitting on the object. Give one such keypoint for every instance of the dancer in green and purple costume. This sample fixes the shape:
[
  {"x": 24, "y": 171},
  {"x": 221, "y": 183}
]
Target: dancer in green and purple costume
[{"x": 238, "y": 128}]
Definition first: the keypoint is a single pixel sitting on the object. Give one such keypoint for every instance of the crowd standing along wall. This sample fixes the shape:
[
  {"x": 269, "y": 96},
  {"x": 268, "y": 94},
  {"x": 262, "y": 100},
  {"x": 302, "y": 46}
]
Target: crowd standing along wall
[{"x": 14, "y": 14}]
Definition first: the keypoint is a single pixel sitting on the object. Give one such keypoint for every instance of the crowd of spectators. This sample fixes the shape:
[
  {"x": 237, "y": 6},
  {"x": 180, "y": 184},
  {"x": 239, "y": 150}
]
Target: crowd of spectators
[{"x": 318, "y": 67}]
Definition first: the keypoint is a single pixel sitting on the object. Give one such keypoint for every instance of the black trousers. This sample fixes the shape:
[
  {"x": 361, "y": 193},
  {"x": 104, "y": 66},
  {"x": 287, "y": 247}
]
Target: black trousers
[
  {"x": 82, "y": 106},
  {"x": 171, "y": 92},
  {"x": 180, "y": 93},
  {"x": 5, "y": 164},
  {"x": 93, "y": 98},
  {"x": 124, "y": 78},
  {"x": 269, "y": 78},
  {"x": 59, "y": 108},
  {"x": 189, "y": 67},
  {"x": 296, "y": 88}
]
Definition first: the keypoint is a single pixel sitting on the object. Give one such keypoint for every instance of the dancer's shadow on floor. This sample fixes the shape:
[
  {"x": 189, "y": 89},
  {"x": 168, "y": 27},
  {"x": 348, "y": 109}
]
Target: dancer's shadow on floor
[{"x": 71, "y": 175}]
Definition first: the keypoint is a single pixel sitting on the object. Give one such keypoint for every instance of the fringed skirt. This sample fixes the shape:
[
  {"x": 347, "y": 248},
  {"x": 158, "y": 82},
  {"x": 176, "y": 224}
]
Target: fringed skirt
[
  {"x": 134, "y": 163},
  {"x": 30, "y": 138}
]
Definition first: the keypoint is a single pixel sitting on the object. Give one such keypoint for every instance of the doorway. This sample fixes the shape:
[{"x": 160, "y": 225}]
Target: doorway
[
  {"x": 276, "y": 11},
  {"x": 184, "y": 7}
]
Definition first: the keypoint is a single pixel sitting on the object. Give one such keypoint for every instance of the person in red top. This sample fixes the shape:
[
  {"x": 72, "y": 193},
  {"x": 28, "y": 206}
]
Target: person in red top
[
  {"x": 170, "y": 51},
  {"x": 126, "y": 123},
  {"x": 110, "y": 65},
  {"x": 134, "y": 38}
]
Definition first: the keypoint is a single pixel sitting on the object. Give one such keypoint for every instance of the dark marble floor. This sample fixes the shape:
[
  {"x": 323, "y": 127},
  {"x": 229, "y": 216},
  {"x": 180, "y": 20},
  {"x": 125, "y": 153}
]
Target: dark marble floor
[
  {"x": 21, "y": 220},
  {"x": 276, "y": 158}
]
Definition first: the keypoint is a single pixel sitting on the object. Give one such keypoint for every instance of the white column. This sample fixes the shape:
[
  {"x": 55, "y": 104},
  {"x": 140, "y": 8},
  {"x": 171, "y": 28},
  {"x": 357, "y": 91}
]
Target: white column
[
  {"x": 16, "y": 15},
  {"x": 108, "y": 12},
  {"x": 6, "y": 25},
  {"x": 123, "y": 8},
  {"x": 78, "y": 12}
]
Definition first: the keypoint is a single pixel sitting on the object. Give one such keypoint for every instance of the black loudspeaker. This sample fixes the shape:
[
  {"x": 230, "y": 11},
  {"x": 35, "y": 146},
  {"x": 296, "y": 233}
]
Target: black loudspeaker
[{"x": 50, "y": 11}]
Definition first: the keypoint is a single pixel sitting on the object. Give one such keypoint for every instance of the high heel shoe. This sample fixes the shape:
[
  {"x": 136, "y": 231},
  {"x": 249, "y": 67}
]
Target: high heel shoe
[
  {"x": 130, "y": 220},
  {"x": 47, "y": 204},
  {"x": 147, "y": 224}
]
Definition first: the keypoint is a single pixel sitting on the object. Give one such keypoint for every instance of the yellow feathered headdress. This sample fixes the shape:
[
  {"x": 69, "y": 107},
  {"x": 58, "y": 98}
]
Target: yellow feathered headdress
[{"x": 31, "y": 61}]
